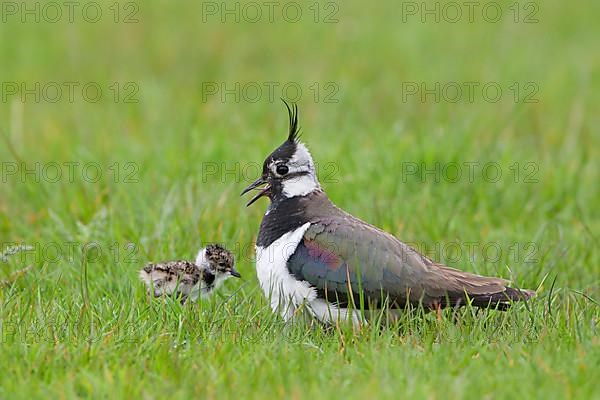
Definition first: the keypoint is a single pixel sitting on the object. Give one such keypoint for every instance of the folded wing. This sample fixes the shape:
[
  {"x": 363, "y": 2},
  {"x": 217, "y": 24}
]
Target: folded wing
[{"x": 345, "y": 258}]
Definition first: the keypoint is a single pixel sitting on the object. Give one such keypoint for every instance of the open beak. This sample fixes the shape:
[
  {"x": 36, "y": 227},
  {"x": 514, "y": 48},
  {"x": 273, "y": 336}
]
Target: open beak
[
  {"x": 258, "y": 185},
  {"x": 234, "y": 272}
]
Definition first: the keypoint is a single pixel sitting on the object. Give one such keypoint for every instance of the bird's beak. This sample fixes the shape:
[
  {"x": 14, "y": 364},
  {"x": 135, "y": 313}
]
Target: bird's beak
[
  {"x": 234, "y": 272},
  {"x": 256, "y": 185}
]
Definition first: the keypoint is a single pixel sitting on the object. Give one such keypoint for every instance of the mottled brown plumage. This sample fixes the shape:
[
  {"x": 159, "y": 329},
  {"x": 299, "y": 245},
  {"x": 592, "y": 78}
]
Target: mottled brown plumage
[{"x": 186, "y": 279}]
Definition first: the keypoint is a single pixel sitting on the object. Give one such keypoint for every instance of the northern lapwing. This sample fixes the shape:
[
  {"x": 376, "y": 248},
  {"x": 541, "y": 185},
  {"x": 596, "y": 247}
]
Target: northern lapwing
[
  {"x": 312, "y": 255},
  {"x": 185, "y": 279}
]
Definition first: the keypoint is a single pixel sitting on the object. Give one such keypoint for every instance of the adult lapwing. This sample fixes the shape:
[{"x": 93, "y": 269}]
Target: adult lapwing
[
  {"x": 312, "y": 255},
  {"x": 185, "y": 279}
]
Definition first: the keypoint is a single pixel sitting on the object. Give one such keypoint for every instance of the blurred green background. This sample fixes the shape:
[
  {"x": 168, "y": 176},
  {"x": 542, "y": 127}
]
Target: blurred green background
[{"x": 179, "y": 128}]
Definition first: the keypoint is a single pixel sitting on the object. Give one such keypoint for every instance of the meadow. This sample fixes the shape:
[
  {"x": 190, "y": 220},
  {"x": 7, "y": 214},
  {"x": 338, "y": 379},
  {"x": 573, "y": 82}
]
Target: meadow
[{"x": 128, "y": 130}]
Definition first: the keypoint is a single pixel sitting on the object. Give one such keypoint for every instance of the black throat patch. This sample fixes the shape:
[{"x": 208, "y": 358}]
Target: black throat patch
[
  {"x": 288, "y": 214},
  {"x": 284, "y": 215}
]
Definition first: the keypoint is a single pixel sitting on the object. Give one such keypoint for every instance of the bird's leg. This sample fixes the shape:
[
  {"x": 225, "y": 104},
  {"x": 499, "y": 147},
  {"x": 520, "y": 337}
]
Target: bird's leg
[{"x": 437, "y": 306}]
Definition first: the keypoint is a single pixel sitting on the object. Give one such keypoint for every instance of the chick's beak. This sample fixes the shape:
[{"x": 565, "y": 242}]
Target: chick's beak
[
  {"x": 257, "y": 185},
  {"x": 234, "y": 272}
]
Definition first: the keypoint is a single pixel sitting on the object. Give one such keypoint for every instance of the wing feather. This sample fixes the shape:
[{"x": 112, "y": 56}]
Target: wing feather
[{"x": 342, "y": 254}]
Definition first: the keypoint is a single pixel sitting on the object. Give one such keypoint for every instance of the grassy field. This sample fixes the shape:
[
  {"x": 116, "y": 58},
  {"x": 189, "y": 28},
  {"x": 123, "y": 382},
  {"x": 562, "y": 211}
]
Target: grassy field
[{"x": 127, "y": 137}]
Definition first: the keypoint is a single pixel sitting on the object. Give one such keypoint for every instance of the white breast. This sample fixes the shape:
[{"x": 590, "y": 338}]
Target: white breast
[{"x": 284, "y": 291}]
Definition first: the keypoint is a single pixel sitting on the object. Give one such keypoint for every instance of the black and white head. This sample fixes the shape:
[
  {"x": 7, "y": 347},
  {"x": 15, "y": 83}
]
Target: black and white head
[
  {"x": 288, "y": 171},
  {"x": 218, "y": 261}
]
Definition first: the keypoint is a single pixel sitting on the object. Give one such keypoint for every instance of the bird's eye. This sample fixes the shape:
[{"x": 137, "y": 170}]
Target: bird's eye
[{"x": 282, "y": 169}]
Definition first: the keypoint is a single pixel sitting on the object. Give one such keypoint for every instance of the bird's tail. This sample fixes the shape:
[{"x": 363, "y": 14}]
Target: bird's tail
[
  {"x": 462, "y": 287},
  {"x": 501, "y": 300}
]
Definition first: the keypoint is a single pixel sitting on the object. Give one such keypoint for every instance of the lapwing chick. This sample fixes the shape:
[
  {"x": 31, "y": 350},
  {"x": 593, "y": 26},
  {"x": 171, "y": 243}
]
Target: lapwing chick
[
  {"x": 190, "y": 280},
  {"x": 311, "y": 255}
]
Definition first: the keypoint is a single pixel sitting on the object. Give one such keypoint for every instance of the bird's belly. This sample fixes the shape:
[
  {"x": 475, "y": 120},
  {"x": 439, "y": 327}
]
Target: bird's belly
[{"x": 284, "y": 291}]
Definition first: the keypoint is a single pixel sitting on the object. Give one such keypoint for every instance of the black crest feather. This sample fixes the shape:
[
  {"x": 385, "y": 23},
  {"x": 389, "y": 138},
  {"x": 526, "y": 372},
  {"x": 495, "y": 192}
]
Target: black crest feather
[{"x": 293, "y": 116}]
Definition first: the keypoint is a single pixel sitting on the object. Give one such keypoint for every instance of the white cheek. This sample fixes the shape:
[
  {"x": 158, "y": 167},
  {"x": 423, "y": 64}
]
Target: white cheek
[
  {"x": 299, "y": 186},
  {"x": 220, "y": 279}
]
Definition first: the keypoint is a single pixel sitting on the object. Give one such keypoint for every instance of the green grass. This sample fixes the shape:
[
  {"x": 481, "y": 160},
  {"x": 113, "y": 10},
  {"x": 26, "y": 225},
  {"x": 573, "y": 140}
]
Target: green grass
[{"x": 80, "y": 324}]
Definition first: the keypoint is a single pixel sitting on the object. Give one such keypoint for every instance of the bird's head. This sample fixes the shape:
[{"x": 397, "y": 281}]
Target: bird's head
[
  {"x": 217, "y": 260},
  {"x": 288, "y": 171}
]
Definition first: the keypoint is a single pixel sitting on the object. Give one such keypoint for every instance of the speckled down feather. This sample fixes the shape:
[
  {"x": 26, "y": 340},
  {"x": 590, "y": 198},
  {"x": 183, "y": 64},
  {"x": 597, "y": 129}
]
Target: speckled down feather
[
  {"x": 186, "y": 279},
  {"x": 183, "y": 278}
]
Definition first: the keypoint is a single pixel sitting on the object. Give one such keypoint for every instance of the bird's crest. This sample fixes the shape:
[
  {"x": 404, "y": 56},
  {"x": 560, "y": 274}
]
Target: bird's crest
[{"x": 294, "y": 131}]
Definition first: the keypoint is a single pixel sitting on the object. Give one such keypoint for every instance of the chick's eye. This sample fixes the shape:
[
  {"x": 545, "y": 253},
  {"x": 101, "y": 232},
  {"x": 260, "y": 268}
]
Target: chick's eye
[{"x": 282, "y": 169}]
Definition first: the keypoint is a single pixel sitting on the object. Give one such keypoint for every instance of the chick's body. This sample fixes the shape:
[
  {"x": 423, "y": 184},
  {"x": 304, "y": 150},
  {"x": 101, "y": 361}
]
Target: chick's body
[
  {"x": 186, "y": 279},
  {"x": 181, "y": 277}
]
